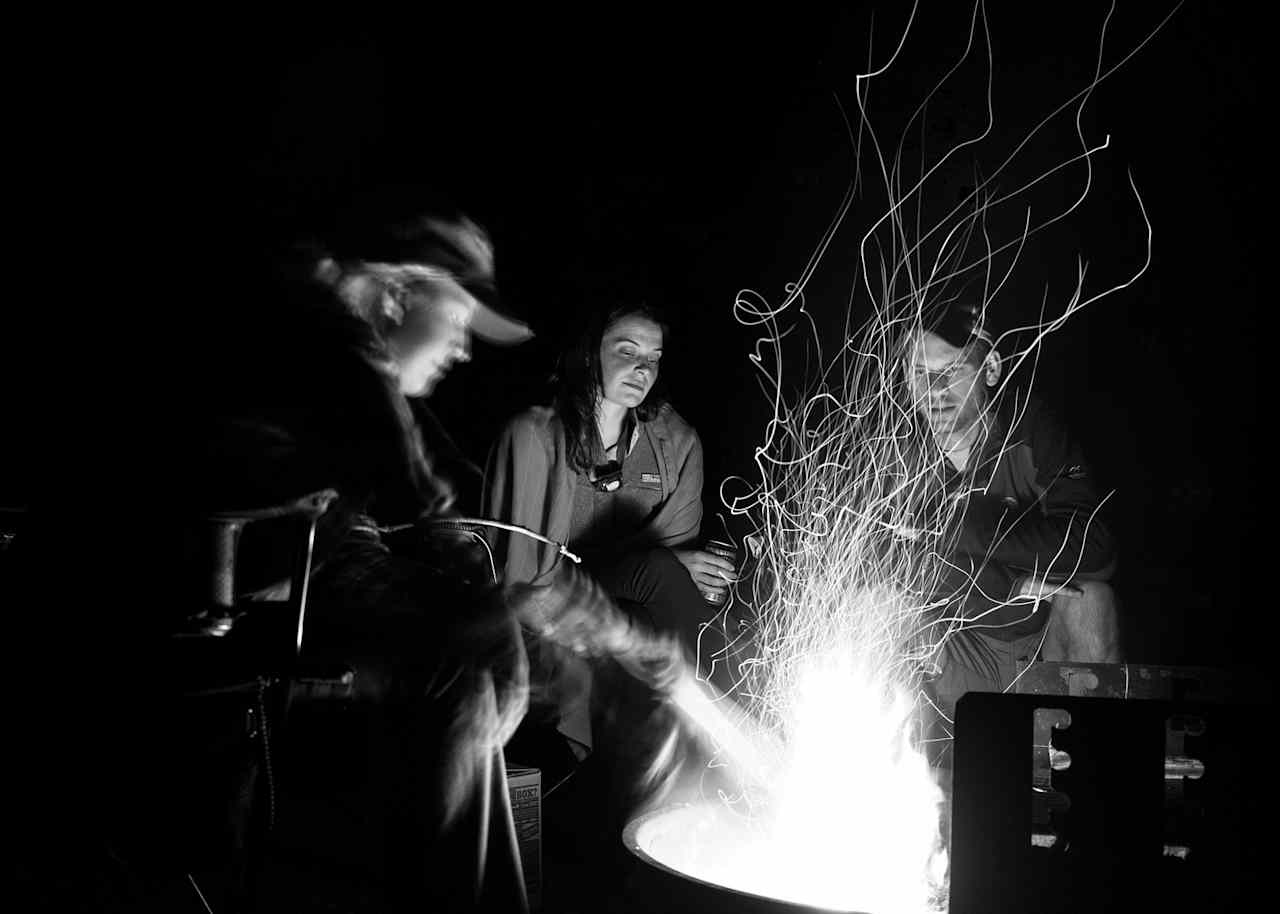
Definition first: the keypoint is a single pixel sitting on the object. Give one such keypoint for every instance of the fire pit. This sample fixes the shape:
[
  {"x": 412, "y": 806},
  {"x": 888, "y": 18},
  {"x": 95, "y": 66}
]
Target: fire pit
[{"x": 702, "y": 857}]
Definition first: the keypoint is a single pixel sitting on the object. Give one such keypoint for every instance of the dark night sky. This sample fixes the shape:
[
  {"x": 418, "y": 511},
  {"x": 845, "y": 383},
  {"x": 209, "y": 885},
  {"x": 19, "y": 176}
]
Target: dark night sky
[{"x": 705, "y": 156}]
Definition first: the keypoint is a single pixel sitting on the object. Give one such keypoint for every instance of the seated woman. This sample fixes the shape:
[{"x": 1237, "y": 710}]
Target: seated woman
[{"x": 614, "y": 472}]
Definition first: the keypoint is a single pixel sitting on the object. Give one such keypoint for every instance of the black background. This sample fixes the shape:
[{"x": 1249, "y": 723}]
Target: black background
[{"x": 705, "y": 154}]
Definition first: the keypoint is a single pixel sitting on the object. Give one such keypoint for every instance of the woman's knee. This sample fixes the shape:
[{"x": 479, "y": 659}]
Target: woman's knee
[
  {"x": 644, "y": 574},
  {"x": 672, "y": 580},
  {"x": 657, "y": 581},
  {"x": 663, "y": 562}
]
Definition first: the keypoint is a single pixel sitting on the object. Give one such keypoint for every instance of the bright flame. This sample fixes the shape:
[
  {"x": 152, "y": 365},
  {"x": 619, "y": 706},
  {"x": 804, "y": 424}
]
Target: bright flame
[
  {"x": 857, "y": 811},
  {"x": 846, "y": 817}
]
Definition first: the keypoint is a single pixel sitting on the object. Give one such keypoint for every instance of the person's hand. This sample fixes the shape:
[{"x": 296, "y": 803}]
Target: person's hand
[
  {"x": 574, "y": 611},
  {"x": 711, "y": 573}
]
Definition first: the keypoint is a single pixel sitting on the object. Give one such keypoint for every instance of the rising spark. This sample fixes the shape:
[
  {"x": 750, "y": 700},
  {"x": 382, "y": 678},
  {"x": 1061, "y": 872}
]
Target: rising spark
[{"x": 847, "y": 604}]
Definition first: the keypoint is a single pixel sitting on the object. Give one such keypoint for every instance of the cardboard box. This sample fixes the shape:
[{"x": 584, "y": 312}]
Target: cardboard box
[{"x": 525, "y": 788}]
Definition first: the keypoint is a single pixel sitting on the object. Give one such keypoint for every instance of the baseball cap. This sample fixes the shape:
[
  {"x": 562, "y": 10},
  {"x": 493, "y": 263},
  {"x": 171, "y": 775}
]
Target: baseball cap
[
  {"x": 959, "y": 322},
  {"x": 442, "y": 239}
]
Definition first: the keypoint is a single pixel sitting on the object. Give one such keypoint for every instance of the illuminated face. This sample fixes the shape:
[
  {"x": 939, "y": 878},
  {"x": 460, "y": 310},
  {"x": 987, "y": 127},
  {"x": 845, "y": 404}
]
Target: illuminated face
[
  {"x": 435, "y": 335},
  {"x": 629, "y": 354},
  {"x": 948, "y": 385}
]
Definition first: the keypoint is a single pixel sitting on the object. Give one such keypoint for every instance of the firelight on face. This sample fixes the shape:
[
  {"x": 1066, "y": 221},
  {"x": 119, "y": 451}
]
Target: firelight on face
[
  {"x": 946, "y": 385},
  {"x": 629, "y": 356},
  {"x": 435, "y": 335}
]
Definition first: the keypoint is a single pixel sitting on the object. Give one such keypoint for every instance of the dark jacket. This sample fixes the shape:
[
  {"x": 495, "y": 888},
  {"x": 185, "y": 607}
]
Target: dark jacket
[{"x": 1031, "y": 507}]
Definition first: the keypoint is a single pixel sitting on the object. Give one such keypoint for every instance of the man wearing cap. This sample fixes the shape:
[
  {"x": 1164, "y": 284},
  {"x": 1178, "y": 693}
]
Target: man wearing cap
[
  {"x": 318, "y": 399},
  {"x": 1030, "y": 554}
]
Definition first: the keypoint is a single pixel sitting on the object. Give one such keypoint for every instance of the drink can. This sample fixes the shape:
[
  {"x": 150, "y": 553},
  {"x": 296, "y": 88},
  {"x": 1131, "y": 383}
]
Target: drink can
[{"x": 725, "y": 550}]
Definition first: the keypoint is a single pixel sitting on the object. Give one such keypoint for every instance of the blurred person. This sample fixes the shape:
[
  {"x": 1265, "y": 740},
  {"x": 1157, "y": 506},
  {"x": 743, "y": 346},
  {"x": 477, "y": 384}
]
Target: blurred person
[
  {"x": 1030, "y": 552},
  {"x": 319, "y": 399},
  {"x": 419, "y": 608}
]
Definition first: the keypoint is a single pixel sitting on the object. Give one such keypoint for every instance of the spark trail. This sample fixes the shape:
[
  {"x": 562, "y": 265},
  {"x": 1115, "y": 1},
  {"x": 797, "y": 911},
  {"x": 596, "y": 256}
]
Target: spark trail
[{"x": 849, "y": 605}]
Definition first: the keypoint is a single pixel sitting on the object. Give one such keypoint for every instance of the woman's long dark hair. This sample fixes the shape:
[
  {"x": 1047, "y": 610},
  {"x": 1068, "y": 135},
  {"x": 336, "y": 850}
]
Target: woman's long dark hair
[{"x": 579, "y": 384}]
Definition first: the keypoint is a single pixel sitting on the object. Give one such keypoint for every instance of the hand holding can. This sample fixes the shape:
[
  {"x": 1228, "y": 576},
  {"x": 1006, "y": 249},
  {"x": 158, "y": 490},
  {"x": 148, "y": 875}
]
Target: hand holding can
[
  {"x": 712, "y": 567},
  {"x": 729, "y": 553}
]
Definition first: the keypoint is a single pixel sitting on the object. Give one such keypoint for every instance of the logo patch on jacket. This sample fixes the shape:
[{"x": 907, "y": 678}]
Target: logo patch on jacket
[
  {"x": 1076, "y": 471},
  {"x": 651, "y": 479}
]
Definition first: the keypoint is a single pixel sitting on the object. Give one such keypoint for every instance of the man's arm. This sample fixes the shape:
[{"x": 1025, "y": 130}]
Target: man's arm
[{"x": 1063, "y": 534}]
